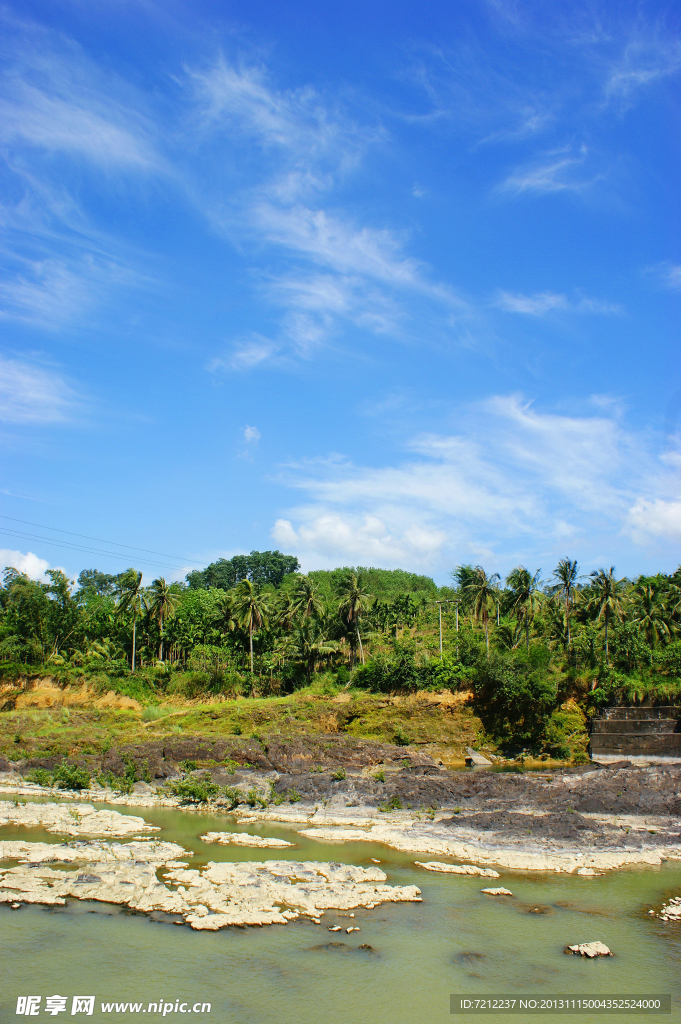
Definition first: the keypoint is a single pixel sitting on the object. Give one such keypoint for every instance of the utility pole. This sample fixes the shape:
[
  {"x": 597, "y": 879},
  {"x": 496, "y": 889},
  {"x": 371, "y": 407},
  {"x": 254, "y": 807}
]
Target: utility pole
[{"x": 439, "y": 604}]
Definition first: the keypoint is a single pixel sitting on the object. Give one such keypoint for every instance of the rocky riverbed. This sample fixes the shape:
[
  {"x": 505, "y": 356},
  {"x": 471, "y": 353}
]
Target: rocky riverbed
[{"x": 586, "y": 819}]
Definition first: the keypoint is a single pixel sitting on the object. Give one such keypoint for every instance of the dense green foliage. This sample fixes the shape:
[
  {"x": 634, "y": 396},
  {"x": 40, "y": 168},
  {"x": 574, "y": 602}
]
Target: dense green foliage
[
  {"x": 522, "y": 649},
  {"x": 260, "y": 567}
]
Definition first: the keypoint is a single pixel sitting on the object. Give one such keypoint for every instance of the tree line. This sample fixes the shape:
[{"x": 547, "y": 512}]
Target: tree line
[{"x": 258, "y": 614}]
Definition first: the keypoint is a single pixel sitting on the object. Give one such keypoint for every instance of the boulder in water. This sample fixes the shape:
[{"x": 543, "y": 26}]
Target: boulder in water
[{"x": 589, "y": 949}]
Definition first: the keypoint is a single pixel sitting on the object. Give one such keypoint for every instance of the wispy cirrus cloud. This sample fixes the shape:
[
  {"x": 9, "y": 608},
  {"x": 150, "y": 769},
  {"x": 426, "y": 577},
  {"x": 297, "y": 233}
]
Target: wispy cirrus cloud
[
  {"x": 339, "y": 272},
  {"x": 542, "y": 303},
  {"x": 651, "y": 54},
  {"x": 30, "y": 393},
  {"x": 551, "y": 172}
]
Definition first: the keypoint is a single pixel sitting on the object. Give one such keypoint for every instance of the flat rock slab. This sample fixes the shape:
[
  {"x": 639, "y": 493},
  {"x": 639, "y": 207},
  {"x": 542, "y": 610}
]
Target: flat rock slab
[
  {"x": 500, "y": 891},
  {"x": 72, "y": 819},
  {"x": 249, "y": 893},
  {"x": 243, "y": 839},
  {"x": 457, "y": 869}
]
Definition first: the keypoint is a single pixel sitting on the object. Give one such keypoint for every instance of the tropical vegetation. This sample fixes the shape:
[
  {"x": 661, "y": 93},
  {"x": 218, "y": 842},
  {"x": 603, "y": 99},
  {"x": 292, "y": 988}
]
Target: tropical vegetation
[{"x": 527, "y": 649}]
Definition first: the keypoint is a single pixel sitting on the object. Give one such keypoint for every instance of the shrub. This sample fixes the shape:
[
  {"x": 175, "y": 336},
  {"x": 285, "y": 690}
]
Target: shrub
[
  {"x": 338, "y": 775},
  {"x": 293, "y": 796},
  {"x": 400, "y": 737},
  {"x": 188, "y": 766},
  {"x": 41, "y": 776},
  {"x": 565, "y": 734},
  {"x": 232, "y": 796},
  {"x": 380, "y": 776},
  {"x": 394, "y": 804},
  {"x": 514, "y": 697},
  {"x": 70, "y": 776},
  {"x": 195, "y": 791},
  {"x": 153, "y": 714}
]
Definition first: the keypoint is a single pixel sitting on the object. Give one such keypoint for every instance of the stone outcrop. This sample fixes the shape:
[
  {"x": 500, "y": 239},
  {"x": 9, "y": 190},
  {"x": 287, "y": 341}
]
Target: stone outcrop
[
  {"x": 72, "y": 819},
  {"x": 457, "y": 869},
  {"x": 243, "y": 839},
  {"x": 221, "y": 894}
]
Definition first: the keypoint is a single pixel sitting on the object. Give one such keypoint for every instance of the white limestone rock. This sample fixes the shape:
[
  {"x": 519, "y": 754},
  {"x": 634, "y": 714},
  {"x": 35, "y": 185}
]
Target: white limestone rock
[
  {"x": 457, "y": 869},
  {"x": 500, "y": 891},
  {"x": 589, "y": 949},
  {"x": 221, "y": 894},
  {"x": 243, "y": 839},
  {"x": 72, "y": 819},
  {"x": 671, "y": 911}
]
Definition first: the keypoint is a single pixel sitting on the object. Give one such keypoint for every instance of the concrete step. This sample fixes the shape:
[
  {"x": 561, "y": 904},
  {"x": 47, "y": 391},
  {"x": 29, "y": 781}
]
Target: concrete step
[{"x": 651, "y": 726}]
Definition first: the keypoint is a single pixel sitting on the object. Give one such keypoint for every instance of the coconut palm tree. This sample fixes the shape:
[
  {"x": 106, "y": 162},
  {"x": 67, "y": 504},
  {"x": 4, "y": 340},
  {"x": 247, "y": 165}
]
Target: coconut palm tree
[
  {"x": 130, "y": 601},
  {"x": 605, "y": 598},
  {"x": 251, "y": 609},
  {"x": 651, "y": 613},
  {"x": 224, "y": 615},
  {"x": 481, "y": 592},
  {"x": 354, "y": 600},
  {"x": 525, "y": 596},
  {"x": 566, "y": 575},
  {"x": 306, "y": 600},
  {"x": 311, "y": 645},
  {"x": 162, "y": 602}
]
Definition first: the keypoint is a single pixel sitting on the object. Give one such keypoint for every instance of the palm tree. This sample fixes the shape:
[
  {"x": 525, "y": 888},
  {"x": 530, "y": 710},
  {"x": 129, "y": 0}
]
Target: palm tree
[
  {"x": 223, "y": 616},
  {"x": 650, "y": 611},
  {"x": 251, "y": 609},
  {"x": 481, "y": 591},
  {"x": 130, "y": 601},
  {"x": 162, "y": 601},
  {"x": 353, "y": 601},
  {"x": 464, "y": 577},
  {"x": 306, "y": 600},
  {"x": 566, "y": 573},
  {"x": 525, "y": 596},
  {"x": 605, "y": 598},
  {"x": 311, "y": 645}
]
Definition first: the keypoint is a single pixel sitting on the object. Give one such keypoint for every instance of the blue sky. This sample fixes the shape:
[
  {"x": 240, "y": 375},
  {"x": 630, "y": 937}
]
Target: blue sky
[{"x": 382, "y": 283}]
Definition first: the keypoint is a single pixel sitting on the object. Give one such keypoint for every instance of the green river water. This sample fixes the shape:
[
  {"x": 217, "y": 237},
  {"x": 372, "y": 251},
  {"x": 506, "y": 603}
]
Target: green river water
[{"x": 456, "y": 941}]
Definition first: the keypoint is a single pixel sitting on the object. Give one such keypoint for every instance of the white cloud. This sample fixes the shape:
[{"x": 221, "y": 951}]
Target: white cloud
[
  {"x": 28, "y": 563},
  {"x": 77, "y": 124},
  {"x": 251, "y": 435},
  {"x": 333, "y": 538},
  {"x": 30, "y": 394},
  {"x": 514, "y": 481},
  {"x": 647, "y": 58},
  {"x": 534, "y": 305},
  {"x": 671, "y": 276},
  {"x": 556, "y": 173},
  {"x": 548, "y": 302},
  {"x": 341, "y": 273},
  {"x": 656, "y": 517}
]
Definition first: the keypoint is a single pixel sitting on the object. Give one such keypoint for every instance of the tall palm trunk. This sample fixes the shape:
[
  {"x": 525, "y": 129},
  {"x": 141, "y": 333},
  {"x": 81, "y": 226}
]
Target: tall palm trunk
[
  {"x": 160, "y": 632},
  {"x": 527, "y": 632},
  {"x": 485, "y": 621},
  {"x": 607, "y": 656},
  {"x": 134, "y": 627},
  {"x": 361, "y": 649},
  {"x": 250, "y": 640},
  {"x": 567, "y": 618}
]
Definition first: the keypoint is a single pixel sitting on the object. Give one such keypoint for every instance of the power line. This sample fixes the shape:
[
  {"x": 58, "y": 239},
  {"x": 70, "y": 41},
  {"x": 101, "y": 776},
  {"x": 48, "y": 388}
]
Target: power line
[
  {"x": 100, "y": 540},
  {"x": 81, "y": 547}
]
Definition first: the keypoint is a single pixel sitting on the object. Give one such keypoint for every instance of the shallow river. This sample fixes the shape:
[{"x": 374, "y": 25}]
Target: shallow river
[{"x": 456, "y": 941}]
